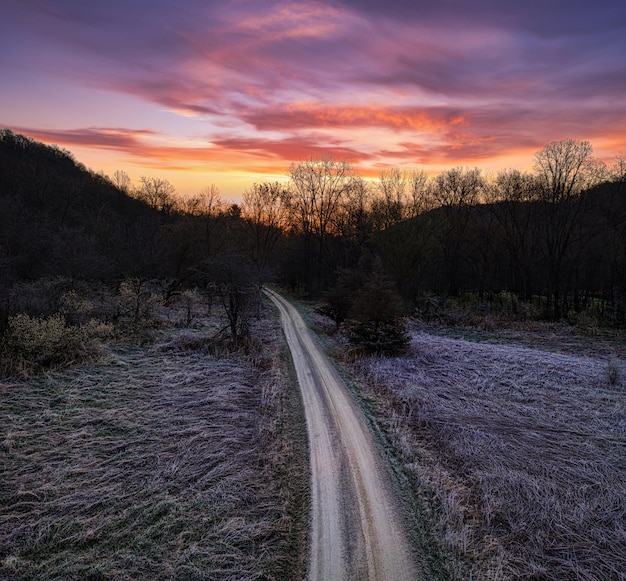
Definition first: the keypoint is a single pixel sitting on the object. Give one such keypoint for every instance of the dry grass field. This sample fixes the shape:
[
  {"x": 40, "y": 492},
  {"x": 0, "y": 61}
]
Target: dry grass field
[
  {"x": 518, "y": 453},
  {"x": 177, "y": 461},
  {"x": 159, "y": 462}
]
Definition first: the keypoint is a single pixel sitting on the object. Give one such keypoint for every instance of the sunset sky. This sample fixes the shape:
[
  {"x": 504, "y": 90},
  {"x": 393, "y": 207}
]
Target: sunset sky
[{"x": 204, "y": 92}]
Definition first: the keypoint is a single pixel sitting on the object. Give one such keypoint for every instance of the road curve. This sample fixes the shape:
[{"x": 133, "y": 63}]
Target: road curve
[{"x": 356, "y": 530}]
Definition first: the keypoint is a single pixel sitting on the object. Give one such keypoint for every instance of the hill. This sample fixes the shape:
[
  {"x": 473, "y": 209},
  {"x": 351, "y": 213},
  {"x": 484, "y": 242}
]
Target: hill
[{"x": 57, "y": 218}]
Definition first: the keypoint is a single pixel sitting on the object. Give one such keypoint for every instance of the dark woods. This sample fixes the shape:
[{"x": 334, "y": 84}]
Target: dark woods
[{"x": 547, "y": 244}]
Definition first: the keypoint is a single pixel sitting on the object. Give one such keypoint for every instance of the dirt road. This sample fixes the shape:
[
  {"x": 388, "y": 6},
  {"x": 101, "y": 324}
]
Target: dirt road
[{"x": 356, "y": 531}]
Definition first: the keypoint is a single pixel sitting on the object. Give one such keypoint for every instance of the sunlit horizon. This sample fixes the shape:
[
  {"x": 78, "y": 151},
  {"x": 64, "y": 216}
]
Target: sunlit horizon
[{"x": 229, "y": 94}]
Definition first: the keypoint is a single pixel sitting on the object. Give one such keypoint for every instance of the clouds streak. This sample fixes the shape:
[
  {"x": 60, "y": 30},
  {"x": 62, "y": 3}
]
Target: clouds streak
[{"x": 430, "y": 83}]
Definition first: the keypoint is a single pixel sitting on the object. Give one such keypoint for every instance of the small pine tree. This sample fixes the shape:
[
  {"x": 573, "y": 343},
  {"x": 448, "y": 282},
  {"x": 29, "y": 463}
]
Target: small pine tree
[
  {"x": 337, "y": 302},
  {"x": 376, "y": 321}
]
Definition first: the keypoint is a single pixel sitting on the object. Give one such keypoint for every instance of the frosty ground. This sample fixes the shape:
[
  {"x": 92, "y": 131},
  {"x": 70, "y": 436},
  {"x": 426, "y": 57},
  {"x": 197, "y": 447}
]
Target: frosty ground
[
  {"x": 172, "y": 461},
  {"x": 518, "y": 454},
  {"x": 167, "y": 461}
]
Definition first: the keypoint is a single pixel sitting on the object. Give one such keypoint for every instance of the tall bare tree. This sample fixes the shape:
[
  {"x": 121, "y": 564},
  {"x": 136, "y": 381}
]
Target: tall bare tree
[
  {"x": 511, "y": 195},
  {"x": 121, "y": 180},
  {"x": 456, "y": 191},
  {"x": 264, "y": 211},
  {"x": 353, "y": 218},
  {"x": 390, "y": 207},
  {"x": 618, "y": 171},
  {"x": 565, "y": 169},
  {"x": 317, "y": 188},
  {"x": 419, "y": 191},
  {"x": 207, "y": 202}
]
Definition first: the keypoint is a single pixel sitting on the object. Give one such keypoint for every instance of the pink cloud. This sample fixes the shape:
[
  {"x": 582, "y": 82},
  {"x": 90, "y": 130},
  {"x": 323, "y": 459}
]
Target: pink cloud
[
  {"x": 227, "y": 154},
  {"x": 268, "y": 83},
  {"x": 99, "y": 137},
  {"x": 291, "y": 149}
]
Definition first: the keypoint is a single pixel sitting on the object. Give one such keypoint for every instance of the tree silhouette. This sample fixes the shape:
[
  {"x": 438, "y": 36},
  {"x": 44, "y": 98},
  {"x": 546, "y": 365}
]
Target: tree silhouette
[
  {"x": 375, "y": 321},
  {"x": 564, "y": 170}
]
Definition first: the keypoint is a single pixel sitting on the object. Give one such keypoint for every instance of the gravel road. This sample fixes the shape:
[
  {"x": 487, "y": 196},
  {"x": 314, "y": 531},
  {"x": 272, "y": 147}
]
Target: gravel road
[{"x": 357, "y": 532}]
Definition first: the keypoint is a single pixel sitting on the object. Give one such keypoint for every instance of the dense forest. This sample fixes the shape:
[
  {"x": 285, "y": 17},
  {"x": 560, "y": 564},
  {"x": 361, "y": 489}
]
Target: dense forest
[{"x": 547, "y": 244}]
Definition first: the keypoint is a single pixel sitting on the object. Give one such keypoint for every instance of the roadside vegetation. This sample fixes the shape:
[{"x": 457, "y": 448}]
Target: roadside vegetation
[{"x": 178, "y": 457}]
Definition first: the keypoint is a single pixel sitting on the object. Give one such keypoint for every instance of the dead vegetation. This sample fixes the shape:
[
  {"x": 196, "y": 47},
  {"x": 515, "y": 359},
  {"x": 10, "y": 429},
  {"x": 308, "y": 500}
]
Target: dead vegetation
[
  {"x": 518, "y": 453},
  {"x": 162, "y": 462}
]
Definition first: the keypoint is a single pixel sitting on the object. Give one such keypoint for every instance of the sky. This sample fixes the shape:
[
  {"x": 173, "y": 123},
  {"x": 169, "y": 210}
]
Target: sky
[{"x": 229, "y": 93}]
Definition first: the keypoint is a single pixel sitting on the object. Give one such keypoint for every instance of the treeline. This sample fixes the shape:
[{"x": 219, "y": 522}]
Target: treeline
[
  {"x": 550, "y": 243},
  {"x": 547, "y": 243}
]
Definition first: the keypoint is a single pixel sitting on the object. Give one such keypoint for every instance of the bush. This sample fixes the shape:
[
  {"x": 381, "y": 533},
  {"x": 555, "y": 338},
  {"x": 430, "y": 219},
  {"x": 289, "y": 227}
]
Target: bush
[
  {"x": 138, "y": 302},
  {"x": 34, "y": 343},
  {"x": 615, "y": 373},
  {"x": 383, "y": 337},
  {"x": 75, "y": 308}
]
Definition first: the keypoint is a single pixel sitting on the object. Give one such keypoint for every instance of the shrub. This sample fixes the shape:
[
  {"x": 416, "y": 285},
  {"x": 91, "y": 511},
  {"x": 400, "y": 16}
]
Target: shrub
[
  {"x": 138, "y": 302},
  {"x": 75, "y": 307},
  {"x": 39, "y": 297},
  {"x": 33, "y": 343},
  {"x": 37, "y": 338},
  {"x": 383, "y": 337},
  {"x": 189, "y": 300},
  {"x": 614, "y": 372}
]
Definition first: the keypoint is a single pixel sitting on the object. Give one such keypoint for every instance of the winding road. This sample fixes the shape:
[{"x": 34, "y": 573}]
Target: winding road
[{"x": 357, "y": 532}]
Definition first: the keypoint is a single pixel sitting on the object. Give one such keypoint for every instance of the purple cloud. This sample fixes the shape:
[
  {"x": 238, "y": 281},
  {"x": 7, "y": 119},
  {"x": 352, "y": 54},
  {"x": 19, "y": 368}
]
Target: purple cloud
[{"x": 439, "y": 82}]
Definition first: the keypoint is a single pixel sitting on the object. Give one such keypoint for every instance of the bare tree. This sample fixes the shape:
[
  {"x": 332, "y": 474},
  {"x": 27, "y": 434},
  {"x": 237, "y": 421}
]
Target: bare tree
[
  {"x": 231, "y": 277},
  {"x": 264, "y": 212},
  {"x": 157, "y": 193},
  {"x": 402, "y": 195},
  {"x": 121, "y": 180},
  {"x": 266, "y": 204},
  {"x": 390, "y": 208},
  {"x": 511, "y": 196},
  {"x": 456, "y": 191},
  {"x": 420, "y": 198},
  {"x": 458, "y": 188},
  {"x": 565, "y": 169},
  {"x": 353, "y": 218},
  {"x": 617, "y": 172},
  {"x": 207, "y": 202},
  {"x": 317, "y": 188}
]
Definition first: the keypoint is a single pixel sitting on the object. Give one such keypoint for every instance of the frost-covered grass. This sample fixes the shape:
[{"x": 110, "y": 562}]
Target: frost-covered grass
[
  {"x": 520, "y": 453},
  {"x": 162, "y": 462}
]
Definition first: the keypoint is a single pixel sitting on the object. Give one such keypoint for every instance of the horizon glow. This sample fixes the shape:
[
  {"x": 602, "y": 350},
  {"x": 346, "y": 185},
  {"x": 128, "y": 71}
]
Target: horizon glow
[{"x": 230, "y": 93}]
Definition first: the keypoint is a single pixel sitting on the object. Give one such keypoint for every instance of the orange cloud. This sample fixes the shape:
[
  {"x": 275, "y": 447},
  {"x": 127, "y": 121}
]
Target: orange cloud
[
  {"x": 289, "y": 150},
  {"x": 248, "y": 155},
  {"x": 315, "y": 115},
  {"x": 101, "y": 137}
]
